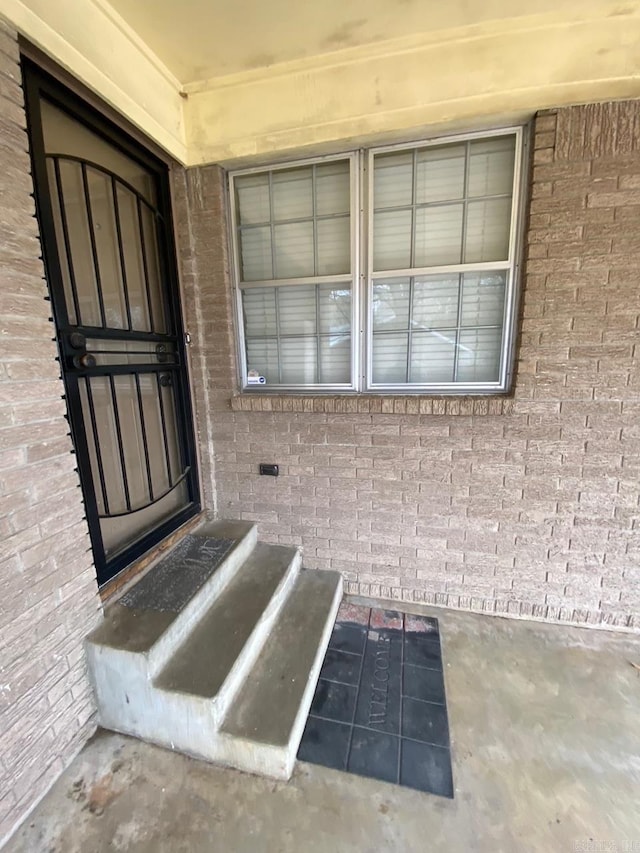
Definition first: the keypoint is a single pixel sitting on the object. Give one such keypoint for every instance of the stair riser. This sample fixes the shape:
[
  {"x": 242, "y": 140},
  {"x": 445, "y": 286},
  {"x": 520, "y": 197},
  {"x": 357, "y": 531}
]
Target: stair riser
[
  {"x": 128, "y": 703},
  {"x": 122, "y": 690},
  {"x": 182, "y": 723},
  {"x": 254, "y": 644},
  {"x": 200, "y": 603},
  {"x": 252, "y": 757}
]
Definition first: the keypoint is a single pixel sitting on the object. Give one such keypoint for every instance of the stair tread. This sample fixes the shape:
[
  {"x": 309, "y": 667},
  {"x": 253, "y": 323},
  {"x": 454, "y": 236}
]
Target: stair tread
[
  {"x": 135, "y": 622},
  {"x": 267, "y": 706},
  {"x": 201, "y": 665}
]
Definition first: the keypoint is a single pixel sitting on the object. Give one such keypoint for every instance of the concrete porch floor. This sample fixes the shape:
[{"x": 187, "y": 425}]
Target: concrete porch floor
[{"x": 546, "y": 757}]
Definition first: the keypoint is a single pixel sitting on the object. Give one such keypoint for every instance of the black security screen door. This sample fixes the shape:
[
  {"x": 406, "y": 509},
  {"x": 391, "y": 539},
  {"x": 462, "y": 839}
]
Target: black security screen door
[{"x": 104, "y": 213}]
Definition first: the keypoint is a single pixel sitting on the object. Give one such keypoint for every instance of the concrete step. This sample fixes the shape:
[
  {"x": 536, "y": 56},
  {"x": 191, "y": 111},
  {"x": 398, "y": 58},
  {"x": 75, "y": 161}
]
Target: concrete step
[
  {"x": 263, "y": 728},
  {"x": 141, "y": 631},
  {"x": 213, "y": 660},
  {"x": 216, "y": 651}
]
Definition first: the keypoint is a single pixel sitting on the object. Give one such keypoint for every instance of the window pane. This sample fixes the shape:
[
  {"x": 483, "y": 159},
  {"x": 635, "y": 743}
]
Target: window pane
[
  {"x": 479, "y": 355},
  {"x": 393, "y": 180},
  {"x": 438, "y": 235},
  {"x": 292, "y": 194},
  {"x": 262, "y": 357},
  {"x": 335, "y": 359},
  {"x": 299, "y": 360},
  {"x": 491, "y": 163},
  {"x": 334, "y": 246},
  {"x": 483, "y": 299},
  {"x": 253, "y": 199},
  {"x": 391, "y": 304},
  {"x": 255, "y": 254},
  {"x": 432, "y": 356},
  {"x": 259, "y": 312},
  {"x": 297, "y": 310},
  {"x": 435, "y": 302},
  {"x": 390, "y": 358},
  {"x": 392, "y": 240},
  {"x": 333, "y": 188},
  {"x": 440, "y": 173},
  {"x": 488, "y": 230},
  {"x": 335, "y": 308},
  {"x": 294, "y": 250}
]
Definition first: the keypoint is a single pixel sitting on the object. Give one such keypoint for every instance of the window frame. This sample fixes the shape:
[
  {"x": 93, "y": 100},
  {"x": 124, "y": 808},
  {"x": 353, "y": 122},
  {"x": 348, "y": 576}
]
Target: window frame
[
  {"x": 363, "y": 275},
  {"x": 353, "y": 275}
]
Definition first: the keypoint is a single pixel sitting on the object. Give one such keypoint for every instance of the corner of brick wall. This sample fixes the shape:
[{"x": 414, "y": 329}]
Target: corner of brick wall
[
  {"x": 529, "y": 513},
  {"x": 203, "y": 258},
  {"x": 578, "y": 378},
  {"x": 48, "y": 590}
]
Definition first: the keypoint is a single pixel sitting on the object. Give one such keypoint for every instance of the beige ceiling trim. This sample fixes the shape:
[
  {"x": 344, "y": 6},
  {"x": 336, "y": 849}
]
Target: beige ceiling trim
[{"x": 92, "y": 42}]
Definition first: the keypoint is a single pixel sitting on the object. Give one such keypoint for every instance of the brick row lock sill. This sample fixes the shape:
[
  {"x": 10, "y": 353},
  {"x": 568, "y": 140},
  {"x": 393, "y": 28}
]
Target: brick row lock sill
[{"x": 373, "y": 404}]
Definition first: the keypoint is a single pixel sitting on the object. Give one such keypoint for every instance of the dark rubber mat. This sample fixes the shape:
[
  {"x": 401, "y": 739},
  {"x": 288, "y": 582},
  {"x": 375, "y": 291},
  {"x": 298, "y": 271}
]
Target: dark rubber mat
[
  {"x": 379, "y": 709},
  {"x": 173, "y": 582}
]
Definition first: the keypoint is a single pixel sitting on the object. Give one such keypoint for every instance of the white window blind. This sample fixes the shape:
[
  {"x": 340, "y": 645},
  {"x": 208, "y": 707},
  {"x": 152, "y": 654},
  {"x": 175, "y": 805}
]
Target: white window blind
[{"x": 438, "y": 222}]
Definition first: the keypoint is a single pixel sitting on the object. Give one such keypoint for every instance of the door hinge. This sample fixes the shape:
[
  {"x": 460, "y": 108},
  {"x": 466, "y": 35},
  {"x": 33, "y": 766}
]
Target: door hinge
[{"x": 187, "y": 338}]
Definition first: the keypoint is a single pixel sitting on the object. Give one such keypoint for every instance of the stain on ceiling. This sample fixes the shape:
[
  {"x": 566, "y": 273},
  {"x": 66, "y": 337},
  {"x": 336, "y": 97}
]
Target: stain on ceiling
[{"x": 201, "y": 39}]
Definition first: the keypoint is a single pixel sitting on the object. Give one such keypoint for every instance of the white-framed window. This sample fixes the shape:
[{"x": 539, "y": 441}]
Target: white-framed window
[{"x": 392, "y": 270}]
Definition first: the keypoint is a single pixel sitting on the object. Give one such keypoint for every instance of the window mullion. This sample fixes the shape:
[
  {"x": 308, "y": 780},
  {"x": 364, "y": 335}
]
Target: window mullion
[
  {"x": 318, "y": 333},
  {"x": 465, "y": 191},
  {"x": 294, "y": 282},
  {"x": 278, "y": 338},
  {"x": 458, "y": 321},
  {"x": 315, "y": 220},
  {"x": 445, "y": 269},
  {"x": 465, "y": 197},
  {"x": 362, "y": 279},
  {"x": 412, "y": 255},
  {"x": 274, "y": 271},
  {"x": 410, "y": 333},
  {"x": 412, "y": 247}
]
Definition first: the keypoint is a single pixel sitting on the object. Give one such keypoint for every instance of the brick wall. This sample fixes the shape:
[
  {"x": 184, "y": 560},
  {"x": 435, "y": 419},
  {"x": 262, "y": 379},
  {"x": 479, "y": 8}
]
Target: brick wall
[
  {"x": 530, "y": 512},
  {"x": 48, "y": 592},
  {"x": 200, "y": 252}
]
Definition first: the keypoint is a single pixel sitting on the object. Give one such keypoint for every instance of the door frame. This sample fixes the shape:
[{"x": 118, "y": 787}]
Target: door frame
[{"x": 38, "y": 83}]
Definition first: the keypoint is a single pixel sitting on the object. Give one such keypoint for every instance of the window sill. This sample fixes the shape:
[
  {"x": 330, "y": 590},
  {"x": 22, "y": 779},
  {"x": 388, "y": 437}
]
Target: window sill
[{"x": 372, "y": 404}]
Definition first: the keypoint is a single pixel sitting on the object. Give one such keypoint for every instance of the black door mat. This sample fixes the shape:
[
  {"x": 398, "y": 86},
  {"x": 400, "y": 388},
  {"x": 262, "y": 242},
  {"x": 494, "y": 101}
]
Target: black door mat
[
  {"x": 173, "y": 582},
  {"x": 379, "y": 709}
]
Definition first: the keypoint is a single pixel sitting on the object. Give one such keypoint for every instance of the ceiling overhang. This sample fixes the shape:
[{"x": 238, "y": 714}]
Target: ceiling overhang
[{"x": 476, "y": 73}]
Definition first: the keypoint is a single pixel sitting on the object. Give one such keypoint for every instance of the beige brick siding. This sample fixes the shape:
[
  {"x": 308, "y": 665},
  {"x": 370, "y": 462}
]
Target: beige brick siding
[
  {"x": 531, "y": 512},
  {"x": 210, "y": 358},
  {"x": 48, "y": 591}
]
